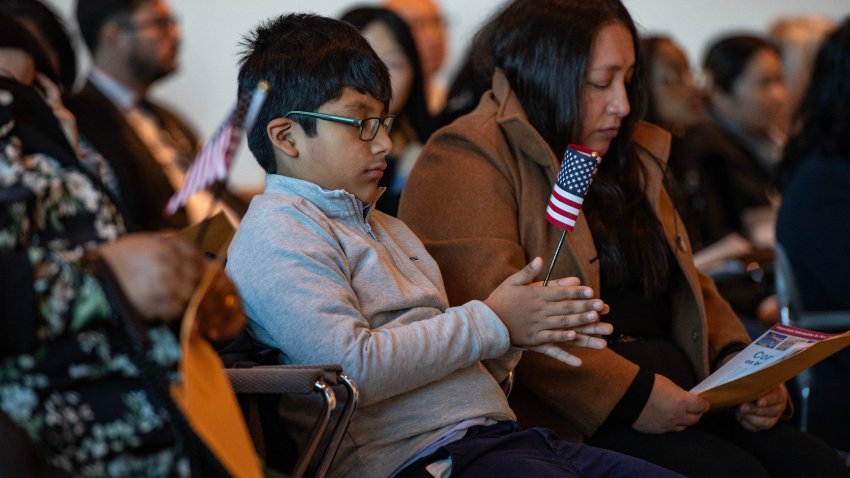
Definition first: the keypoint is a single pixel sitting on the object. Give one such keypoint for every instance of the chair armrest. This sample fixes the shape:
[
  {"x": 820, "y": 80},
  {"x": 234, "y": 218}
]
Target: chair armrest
[
  {"x": 302, "y": 379},
  {"x": 838, "y": 320},
  {"x": 275, "y": 379},
  {"x": 331, "y": 370}
]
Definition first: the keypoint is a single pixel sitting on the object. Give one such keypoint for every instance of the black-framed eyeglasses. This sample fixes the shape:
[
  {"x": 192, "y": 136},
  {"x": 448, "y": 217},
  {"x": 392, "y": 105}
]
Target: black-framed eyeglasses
[
  {"x": 161, "y": 23},
  {"x": 368, "y": 126}
]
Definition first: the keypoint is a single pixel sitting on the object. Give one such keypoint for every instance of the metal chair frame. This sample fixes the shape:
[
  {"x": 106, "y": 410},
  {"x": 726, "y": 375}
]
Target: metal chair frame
[
  {"x": 793, "y": 313},
  {"x": 302, "y": 379}
]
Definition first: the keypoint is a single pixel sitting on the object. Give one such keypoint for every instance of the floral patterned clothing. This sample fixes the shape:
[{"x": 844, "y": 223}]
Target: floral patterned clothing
[{"x": 65, "y": 378}]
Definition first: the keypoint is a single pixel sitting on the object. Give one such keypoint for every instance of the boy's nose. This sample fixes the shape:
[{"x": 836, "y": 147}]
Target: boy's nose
[{"x": 382, "y": 142}]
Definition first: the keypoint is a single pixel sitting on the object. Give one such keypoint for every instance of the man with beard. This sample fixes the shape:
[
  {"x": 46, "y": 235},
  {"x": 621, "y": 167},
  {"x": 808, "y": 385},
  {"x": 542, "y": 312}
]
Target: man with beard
[{"x": 134, "y": 44}]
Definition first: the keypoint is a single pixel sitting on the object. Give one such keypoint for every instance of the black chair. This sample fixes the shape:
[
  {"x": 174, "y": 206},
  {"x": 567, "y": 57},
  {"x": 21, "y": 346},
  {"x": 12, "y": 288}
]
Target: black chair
[
  {"x": 259, "y": 385},
  {"x": 792, "y": 312}
]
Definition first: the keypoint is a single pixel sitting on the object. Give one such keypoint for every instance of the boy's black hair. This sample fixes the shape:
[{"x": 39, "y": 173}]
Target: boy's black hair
[{"x": 307, "y": 61}]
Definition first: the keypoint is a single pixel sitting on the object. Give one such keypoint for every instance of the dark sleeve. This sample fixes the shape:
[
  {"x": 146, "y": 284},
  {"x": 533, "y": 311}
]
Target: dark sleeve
[
  {"x": 18, "y": 302},
  {"x": 813, "y": 229},
  {"x": 721, "y": 194},
  {"x": 17, "y": 294},
  {"x": 46, "y": 290},
  {"x": 728, "y": 351},
  {"x": 629, "y": 407}
]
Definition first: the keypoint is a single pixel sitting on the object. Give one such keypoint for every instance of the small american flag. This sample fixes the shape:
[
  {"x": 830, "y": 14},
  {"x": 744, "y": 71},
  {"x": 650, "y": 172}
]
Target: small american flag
[
  {"x": 213, "y": 161},
  {"x": 577, "y": 170}
]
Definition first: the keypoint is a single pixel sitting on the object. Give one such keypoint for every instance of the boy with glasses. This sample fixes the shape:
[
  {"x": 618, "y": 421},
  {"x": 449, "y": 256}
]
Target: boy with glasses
[{"x": 327, "y": 278}]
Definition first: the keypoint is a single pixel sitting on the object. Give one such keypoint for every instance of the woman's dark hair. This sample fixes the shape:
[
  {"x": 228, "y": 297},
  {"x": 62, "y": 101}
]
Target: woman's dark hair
[
  {"x": 473, "y": 78},
  {"x": 465, "y": 91},
  {"x": 307, "y": 61},
  {"x": 543, "y": 48},
  {"x": 54, "y": 33},
  {"x": 416, "y": 108},
  {"x": 728, "y": 57},
  {"x": 823, "y": 116}
]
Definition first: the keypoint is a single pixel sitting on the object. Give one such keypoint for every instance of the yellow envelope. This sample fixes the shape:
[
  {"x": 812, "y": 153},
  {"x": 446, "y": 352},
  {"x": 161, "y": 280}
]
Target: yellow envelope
[
  {"x": 205, "y": 395},
  {"x": 217, "y": 231},
  {"x": 750, "y": 387}
]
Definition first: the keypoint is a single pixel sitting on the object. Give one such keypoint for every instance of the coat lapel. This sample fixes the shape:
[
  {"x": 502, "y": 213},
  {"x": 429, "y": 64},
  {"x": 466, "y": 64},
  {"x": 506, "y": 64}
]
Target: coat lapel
[{"x": 579, "y": 257}]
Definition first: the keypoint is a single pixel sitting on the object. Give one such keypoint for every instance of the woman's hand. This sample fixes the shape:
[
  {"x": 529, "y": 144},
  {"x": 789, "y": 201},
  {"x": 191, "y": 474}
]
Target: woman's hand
[
  {"x": 669, "y": 408},
  {"x": 763, "y": 413},
  {"x": 157, "y": 274}
]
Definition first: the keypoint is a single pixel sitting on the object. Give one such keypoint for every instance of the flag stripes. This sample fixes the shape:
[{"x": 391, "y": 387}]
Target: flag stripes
[
  {"x": 212, "y": 163},
  {"x": 574, "y": 177}
]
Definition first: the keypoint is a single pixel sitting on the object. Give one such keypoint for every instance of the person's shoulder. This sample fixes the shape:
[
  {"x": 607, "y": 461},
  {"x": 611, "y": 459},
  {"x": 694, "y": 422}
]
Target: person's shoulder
[
  {"x": 167, "y": 110},
  {"x": 86, "y": 99},
  {"x": 395, "y": 227},
  {"x": 820, "y": 165},
  {"x": 98, "y": 119},
  {"x": 480, "y": 122},
  {"x": 88, "y": 90},
  {"x": 480, "y": 134},
  {"x": 821, "y": 173},
  {"x": 281, "y": 227},
  {"x": 653, "y": 139},
  {"x": 172, "y": 116},
  {"x": 279, "y": 208},
  {"x": 706, "y": 136}
]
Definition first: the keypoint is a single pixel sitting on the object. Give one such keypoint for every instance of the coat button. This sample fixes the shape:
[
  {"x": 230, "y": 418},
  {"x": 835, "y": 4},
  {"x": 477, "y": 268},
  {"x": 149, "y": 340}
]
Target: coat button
[
  {"x": 695, "y": 336},
  {"x": 680, "y": 243}
]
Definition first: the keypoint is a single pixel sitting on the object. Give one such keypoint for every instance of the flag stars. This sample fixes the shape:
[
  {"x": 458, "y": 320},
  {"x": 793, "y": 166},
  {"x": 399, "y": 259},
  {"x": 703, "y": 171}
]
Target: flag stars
[{"x": 574, "y": 177}]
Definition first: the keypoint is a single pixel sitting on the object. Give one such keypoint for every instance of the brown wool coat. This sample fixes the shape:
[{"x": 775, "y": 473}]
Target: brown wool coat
[{"x": 477, "y": 198}]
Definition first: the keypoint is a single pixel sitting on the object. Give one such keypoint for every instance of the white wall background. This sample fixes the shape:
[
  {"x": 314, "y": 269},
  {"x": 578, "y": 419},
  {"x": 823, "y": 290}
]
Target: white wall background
[{"x": 204, "y": 88}]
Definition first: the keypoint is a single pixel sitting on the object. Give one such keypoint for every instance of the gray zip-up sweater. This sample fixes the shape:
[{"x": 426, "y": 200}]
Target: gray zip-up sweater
[{"x": 324, "y": 283}]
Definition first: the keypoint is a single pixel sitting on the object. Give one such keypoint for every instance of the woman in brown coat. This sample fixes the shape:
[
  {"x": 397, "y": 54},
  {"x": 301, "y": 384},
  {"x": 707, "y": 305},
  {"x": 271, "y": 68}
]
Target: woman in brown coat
[{"x": 568, "y": 71}]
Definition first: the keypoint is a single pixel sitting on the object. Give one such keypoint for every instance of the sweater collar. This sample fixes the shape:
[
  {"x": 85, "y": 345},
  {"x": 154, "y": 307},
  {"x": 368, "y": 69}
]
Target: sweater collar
[{"x": 336, "y": 204}]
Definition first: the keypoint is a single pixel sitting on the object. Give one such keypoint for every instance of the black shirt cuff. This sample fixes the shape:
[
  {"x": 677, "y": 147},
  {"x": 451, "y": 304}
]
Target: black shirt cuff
[
  {"x": 629, "y": 407},
  {"x": 729, "y": 349}
]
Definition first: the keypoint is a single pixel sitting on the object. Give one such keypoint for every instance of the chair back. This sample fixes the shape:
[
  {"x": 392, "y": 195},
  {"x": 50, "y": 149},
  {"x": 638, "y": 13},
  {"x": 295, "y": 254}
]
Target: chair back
[
  {"x": 791, "y": 309},
  {"x": 792, "y": 312},
  {"x": 787, "y": 294}
]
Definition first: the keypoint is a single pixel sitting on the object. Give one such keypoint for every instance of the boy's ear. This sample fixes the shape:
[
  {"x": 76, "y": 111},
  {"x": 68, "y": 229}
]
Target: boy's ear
[{"x": 279, "y": 131}]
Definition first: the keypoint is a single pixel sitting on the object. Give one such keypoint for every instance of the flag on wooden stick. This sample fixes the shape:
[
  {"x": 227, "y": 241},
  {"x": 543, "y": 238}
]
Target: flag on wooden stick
[
  {"x": 212, "y": 163},
  {"x": 577, "y": 170}
]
